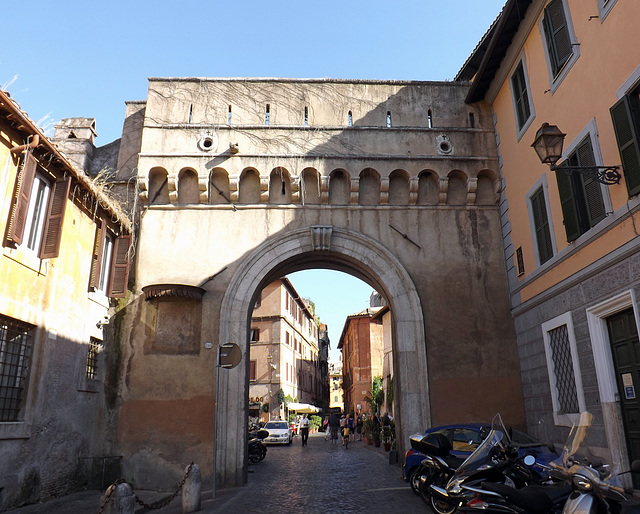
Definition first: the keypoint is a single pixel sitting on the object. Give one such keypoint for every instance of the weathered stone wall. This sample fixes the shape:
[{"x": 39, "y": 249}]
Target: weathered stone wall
[{"x": 436, "y": 257}]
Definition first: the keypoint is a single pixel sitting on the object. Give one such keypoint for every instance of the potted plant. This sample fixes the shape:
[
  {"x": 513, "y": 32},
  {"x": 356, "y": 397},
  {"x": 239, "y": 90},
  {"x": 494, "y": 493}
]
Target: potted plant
[{"x": 385, "y": 435}]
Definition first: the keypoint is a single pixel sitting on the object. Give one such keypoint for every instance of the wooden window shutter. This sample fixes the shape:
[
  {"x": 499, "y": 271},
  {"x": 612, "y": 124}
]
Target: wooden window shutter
[
  {"x": 592, "y": 190},
  {"x": 625, "y": 123},
  {"x": 50, "y": 246},
  {"x": 96, "y": 258},
  {"x": 568, "y": 203},
  {"x": 557, "y": 33},
  {"x": 541, "y": 222},
  {"x": 119, "y": 268},
  {"x": 18, "y": 217}
]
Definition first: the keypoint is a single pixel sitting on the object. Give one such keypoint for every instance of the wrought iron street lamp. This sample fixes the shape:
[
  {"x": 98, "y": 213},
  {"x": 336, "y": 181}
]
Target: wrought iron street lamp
[{"x": 548, "y": 146}]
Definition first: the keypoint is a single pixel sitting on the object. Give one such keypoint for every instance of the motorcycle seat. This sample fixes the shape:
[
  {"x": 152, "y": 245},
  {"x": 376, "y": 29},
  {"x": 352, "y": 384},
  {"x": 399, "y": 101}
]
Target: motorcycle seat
[
  {"x": 452, "y": 461},
  {"x": 532, "y": 500}
]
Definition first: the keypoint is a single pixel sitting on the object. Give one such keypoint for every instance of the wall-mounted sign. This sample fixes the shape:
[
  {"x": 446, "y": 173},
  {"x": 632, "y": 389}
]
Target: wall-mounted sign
[{"x": 629, "y": 389}]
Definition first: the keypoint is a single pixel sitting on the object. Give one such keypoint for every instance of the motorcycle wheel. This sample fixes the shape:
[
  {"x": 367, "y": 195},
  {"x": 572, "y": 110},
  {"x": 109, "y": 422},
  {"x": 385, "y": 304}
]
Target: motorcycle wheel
[
  {"x": 414, "y": 481},
  {"x": 255, "y": 457},
  {"x": 442, "y": 506}
]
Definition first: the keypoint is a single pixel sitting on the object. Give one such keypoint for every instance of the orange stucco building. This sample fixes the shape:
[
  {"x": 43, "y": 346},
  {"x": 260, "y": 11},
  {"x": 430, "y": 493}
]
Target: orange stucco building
[{"x": 570, "y": 241}]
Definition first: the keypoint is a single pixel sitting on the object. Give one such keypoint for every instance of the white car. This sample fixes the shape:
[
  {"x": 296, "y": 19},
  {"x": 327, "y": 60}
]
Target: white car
[{"x": 279, "y": 433}]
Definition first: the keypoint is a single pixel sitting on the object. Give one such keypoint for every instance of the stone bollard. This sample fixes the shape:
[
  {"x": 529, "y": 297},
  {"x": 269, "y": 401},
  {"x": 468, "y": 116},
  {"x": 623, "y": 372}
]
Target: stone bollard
[
  {"x": 122, "y": 500},
  {"x": 191, "y": 490}
]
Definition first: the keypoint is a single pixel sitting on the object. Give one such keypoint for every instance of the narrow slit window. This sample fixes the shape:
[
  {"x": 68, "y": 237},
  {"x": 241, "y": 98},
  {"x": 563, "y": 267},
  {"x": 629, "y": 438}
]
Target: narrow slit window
[
  {"x": 267, "y": 114},
  {"x": 350, "y": 119},
  {"x": 229, "y": 116},
  {"x": 472, "y": 120},
  {"x": 429, "y": 119},
  {"x": 306, "y": 116},
  {"x": 190, "y": 113},
  {"x": 388, "y": 119}
]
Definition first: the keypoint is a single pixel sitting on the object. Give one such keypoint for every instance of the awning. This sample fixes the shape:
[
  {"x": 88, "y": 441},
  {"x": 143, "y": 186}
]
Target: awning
[{"x": 303, "y": 408}]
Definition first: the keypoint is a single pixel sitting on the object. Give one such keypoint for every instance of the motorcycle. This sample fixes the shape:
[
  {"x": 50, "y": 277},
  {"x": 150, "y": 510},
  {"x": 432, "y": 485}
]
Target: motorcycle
[
  {"x": 256, "y": 448},
  {"x": 495, "y": 467},
  {"x": 438, "y": 465},
  {"x": 586, "y": 487}
]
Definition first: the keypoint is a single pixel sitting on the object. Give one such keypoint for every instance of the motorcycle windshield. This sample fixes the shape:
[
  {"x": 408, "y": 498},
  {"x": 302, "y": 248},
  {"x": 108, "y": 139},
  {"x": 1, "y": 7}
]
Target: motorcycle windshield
[
  {"x": 480, "y": 457},
  {"x": 576, "y": 437}
]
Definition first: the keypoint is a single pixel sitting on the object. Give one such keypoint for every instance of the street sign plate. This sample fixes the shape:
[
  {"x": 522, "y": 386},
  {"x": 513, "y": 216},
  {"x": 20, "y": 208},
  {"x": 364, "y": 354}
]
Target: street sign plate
[{"x": 229, "y": 355}]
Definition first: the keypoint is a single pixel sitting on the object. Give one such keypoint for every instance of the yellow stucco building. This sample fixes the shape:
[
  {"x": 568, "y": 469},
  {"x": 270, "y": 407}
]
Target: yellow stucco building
[{"x": 570, "y": 235}]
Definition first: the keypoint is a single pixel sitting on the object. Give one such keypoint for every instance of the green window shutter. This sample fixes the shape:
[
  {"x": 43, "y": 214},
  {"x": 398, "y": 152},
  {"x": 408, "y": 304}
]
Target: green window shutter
[
  {"x": 625, "y": 125},
  {"x": 119, "y": 268},
  {"x": 519, "y": 86},
  {"x": 591, "y": 189},
  {"x": 568, "y": 203},
  {"x": 557, "y": 34},
  {"x": 20, "y": 208},
  {"x": 541, "y": 222},
  {"x": 52, "y": 234}
]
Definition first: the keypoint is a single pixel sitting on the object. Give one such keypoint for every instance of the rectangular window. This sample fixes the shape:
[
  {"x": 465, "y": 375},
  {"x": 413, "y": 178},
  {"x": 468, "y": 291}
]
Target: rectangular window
[
  {"x": 563, "y": 369},
  {"x": 255, "y": 335},
  {"x": 92, "y": 359},
  {"x": 286, "y": 338},
  {"x": 520, "y": 261},
  {"x": 110, "y": 262},
  {"x": 520, "y": 96},
  {"x": 38, "y": 211},
  {"x": 557, "y": 35},
  {"x": 626, "y": 123},
  {"x": 16, "y": 341},
  {"x": 541, "y": 224},
  {"x": 580, "y": 196},
  {"x": 252, "y": 370}
]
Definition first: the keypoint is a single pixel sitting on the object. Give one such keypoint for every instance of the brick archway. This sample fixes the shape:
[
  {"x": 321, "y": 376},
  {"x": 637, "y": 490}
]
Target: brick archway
[{"x": 318, "y": 247}]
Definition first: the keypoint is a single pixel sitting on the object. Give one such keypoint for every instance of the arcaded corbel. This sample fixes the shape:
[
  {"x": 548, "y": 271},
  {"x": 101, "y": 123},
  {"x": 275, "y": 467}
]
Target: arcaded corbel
[
  {"x": 444, "y": 188},
  {"x": 354, "y": 189},
  {"x": 472, "y": 189},
  {"x": 414, "y": 183}
]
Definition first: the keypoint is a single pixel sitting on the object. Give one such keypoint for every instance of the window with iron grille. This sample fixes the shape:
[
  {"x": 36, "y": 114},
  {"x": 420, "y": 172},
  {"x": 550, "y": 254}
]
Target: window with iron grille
[
  {"x": 92, "y": 359},
  {"x": 563, "y": 369},
  {"x": 16, "y": 341}
]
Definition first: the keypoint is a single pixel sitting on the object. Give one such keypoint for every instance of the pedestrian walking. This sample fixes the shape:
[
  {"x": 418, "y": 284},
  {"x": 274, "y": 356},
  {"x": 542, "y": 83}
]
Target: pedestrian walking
[
  {"x": 304, "y": 429},
  {"x": 359, "y": 427},
  {"x": 350, "y": 426},
  {"x": 326, "y": 428},
  {"x": 334, "y": 423}
]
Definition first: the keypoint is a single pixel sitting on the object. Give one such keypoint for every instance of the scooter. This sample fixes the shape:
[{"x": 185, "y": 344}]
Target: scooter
[
  {"x": 494, "y": 469},
  {"x": 586, "y": 488},
  {"x": 256, "y": 448}
]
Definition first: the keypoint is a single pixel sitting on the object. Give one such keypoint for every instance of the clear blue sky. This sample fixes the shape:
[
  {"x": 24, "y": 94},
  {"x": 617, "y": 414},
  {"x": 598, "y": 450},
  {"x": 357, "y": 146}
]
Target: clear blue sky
[{"x": 71, "y": 58}]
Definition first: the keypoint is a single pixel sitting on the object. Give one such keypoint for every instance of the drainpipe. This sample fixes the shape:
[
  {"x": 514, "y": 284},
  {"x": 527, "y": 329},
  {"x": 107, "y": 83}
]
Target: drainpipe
[{"x": 34, "y": 142}]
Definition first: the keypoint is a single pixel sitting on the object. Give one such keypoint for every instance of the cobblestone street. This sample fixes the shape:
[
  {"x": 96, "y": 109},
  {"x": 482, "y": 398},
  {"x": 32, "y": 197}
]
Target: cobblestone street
[{"x": 324, "y": 478}]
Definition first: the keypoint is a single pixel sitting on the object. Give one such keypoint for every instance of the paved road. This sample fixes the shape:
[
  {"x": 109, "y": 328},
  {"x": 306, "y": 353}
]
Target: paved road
[
  {"x": 325, "y": 478},
  {"x": 319, "y": 478}
]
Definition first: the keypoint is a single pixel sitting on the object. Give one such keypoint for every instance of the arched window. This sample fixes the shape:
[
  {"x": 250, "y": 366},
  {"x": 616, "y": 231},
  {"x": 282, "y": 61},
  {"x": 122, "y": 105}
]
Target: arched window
[
  {"x": 158, "y": 187},
  {"x": 219, "y": 190},
  {"x": 188, "y": 191},
  {"x": 369, "y": 187},
  {"x": 485, "y": 192},
  {"x": 339, "y": 188},
  {"x": 457, "y": 190},
  {"x": 279, "y": 186},
  {"x": 428, "y": 188},
  {"x": 249, "y": 187},
  {"x": 399, "y": 188},
  {"x": 310, "y": 186}
]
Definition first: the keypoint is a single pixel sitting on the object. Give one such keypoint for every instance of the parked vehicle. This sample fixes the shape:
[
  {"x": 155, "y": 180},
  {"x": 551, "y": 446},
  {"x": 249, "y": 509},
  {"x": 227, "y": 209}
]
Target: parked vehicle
[
  {"x": 465, "y": 438},
  {"x": 279, "y": 432},
  {"x": 596, "y": 488},
  {"x": 256, "y": 448}
]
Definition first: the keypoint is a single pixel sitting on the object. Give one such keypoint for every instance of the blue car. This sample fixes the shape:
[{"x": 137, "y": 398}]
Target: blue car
[{"x": 465, "y": 438}]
